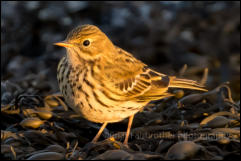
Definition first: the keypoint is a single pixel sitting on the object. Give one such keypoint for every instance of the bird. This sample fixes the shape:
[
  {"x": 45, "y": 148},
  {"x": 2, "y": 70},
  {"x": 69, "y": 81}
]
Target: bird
[{"x": 104, "y": 84}]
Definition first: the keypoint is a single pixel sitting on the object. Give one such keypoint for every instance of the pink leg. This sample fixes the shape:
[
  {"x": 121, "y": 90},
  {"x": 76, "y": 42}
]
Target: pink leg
[
  {"x": 128, "y": 129},
  {"x": 99, "y": 132}
]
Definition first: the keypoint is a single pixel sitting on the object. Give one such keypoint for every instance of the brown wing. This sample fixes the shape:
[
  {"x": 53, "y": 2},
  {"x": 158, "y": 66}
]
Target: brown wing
[
  {"x": 133, "y": 79},
  {"x": 137, "y": 80}
]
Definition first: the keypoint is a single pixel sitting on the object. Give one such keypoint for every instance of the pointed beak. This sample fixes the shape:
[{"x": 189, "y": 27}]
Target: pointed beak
[{"x": 64, "y": 44}]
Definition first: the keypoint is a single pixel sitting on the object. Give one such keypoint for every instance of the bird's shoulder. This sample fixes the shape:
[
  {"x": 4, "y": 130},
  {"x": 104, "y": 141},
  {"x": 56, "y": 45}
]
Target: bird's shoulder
[
  {"x": 128, "y": 62},
  {"x": 121, "y": 66}
]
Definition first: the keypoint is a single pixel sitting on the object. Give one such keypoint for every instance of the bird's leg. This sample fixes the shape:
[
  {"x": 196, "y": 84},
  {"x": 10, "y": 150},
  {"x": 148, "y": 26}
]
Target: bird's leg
[
  {"x": 128, "y": 129},
  {"x": 99, "y": 132}
]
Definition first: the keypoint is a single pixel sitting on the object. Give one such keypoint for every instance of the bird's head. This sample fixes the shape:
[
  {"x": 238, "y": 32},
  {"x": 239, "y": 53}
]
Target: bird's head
[{"x": 87, "y": 42}]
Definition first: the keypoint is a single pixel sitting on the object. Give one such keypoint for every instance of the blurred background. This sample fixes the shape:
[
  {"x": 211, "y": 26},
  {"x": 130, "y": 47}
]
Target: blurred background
[{"x": 164, "y": 35}]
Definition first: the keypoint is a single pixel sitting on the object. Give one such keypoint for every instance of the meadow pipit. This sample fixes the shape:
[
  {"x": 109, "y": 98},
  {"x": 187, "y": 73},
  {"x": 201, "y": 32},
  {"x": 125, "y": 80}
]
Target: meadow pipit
[{"x": 106, "y": 84}]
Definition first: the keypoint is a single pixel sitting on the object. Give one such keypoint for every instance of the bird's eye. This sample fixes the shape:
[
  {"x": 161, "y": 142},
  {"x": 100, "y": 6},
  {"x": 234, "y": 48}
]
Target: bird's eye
[{"x": 86, "y": 43}]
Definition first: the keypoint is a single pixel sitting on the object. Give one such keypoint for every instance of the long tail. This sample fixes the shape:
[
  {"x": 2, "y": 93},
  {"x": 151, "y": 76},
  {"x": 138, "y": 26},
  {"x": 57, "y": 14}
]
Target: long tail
[{"x": 185, "y": 83}]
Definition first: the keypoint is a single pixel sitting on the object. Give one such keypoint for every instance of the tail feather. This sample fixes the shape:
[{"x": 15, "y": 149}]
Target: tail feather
[{"x": 185, "y": 83}]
